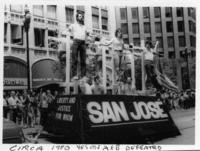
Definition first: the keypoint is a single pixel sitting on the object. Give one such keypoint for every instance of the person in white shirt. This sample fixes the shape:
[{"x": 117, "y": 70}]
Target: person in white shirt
[
  {"x": 117, "y": 45},
  {"x": 84, "y": 87},
  {"x": 79, "y": 33},
  {"x": 149, "y": 66},
  {"x": 13, "y": 101},
  {"x": 44, "y": 108}
]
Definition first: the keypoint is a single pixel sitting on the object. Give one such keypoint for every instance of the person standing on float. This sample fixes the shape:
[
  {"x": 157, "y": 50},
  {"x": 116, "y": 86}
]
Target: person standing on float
[
  {"x": 79, "y": 33},
  {"x": 117, "y": 45},
  {"x": 149, "y": 66}
]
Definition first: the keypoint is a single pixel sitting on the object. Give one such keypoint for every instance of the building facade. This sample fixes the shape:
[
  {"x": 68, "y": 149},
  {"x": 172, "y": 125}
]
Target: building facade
[
  {"x": 175, "y": 30},
  {"x": 48, "y": 23}
]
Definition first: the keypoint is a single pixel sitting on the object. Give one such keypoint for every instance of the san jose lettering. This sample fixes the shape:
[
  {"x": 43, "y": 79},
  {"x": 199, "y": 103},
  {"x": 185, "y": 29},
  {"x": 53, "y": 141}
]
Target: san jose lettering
[{"x": 105, "y": 112}]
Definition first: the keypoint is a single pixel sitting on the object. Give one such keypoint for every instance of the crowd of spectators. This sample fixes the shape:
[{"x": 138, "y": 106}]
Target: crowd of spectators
[
  {"x": 27, "y": 108},
  {"x": 184, "y": 99},
  {"x": 31, "y": 108}
]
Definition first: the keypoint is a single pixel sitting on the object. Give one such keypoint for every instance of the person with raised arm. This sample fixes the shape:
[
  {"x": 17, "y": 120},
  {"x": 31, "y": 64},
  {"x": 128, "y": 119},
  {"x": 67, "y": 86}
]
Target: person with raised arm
[{"x": 149, "y": 53}]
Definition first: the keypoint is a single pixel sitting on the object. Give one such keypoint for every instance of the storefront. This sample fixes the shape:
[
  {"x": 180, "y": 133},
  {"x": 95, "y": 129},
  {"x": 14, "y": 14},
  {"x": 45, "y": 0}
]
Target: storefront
[{"x": 15, "y": 74}]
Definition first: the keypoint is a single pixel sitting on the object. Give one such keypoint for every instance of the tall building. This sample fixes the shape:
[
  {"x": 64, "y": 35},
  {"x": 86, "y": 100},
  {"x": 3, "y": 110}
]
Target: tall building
[
  {"x": 48, "y": 23},
  {"x": 175, "y": 30}
]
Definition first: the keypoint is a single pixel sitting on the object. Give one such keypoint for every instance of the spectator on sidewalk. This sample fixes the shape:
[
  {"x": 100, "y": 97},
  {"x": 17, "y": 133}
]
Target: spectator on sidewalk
[
  {"x": 12, "y": 100},
  {"x": 50, "y": 97},
  {"x": 43, "y": 108},
  {"x": 55, "y": 94},
  {"x": 5, "y": 105},
  {"x": 25, "y": 102}
]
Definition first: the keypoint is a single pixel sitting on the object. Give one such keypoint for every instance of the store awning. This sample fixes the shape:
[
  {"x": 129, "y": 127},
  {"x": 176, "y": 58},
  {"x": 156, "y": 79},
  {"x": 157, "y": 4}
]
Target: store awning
[{"x": 45, "y": 72}]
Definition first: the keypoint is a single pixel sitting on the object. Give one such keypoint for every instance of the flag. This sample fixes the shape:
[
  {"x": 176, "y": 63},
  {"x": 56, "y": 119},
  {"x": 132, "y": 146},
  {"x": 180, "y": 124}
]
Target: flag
[{"x": 163, "y": 80}]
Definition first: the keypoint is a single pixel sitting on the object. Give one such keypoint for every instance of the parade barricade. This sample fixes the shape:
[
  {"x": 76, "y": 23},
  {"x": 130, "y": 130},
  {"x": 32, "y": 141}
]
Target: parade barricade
[{"x": 110, "y": 119}]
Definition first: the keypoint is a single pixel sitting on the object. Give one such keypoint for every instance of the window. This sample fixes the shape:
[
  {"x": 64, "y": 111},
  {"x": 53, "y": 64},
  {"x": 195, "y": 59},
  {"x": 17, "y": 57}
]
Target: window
[
  {"x": 39, "y": 37},
  {"x": 157, "y": 13},
  {"x": 16, "y": 34},
  {"x": 69, "y": 15},
  {"x": 126, "y": 41},
  {"x": 193, "y": 53},
  {"x": 148, "y": 39},
  {"x": 136, "y": 41},
  {"x": 51, "y": 11},
  {"x": 170, "y": 42},
  {"x": 104, "y": 19},
  {"x": 147, "y": 28},
  {"x": 16, "y": 8},
  {"x": 95, "y": 21},
  {"x": 179, "y": 12},
  {"x": 171, "y": 54},
  {"x": 192, "y": 12},
  {"x": 123, "y": 13},
  {"x": 104, "y": 13},
  {"x": 180, "y": 26},
  {"x": 95, "y": 11},
  {"x": 160, "y": 42},
  {"x": 95, "y": 17},
  {"x": 124, "y": 27},
  {"x": 146, "y": 12},
  {"x": 181, "y": 41},
  {"x": 53, "y": 44},
  {"x": 168, "y": 12},
  {"x": 158, "y": 28},
  {"x": 182, "y": 54},
  {"x": 192, "y": 27},
  {"x": 80, "y": 8},
  {"x": 134, "y": 11},
  {"x": 135, "y": 28},
  {"x": 169, "y": 26},
  {"x": 38, "y": 10},
  {"x": 104, "y": 23},
  {"x": 5, "y": 32},
  {"x": 192, "y": 41},
  {"x": 53, "y": 33}
]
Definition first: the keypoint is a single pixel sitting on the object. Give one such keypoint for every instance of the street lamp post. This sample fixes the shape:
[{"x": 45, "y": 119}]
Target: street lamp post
[
  {"x": 186, "y": 59},
  {"x": 27, "y": 20}
]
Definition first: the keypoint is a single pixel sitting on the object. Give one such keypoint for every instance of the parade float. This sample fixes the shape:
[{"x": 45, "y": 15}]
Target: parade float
[{"x": 113, "y": 117}]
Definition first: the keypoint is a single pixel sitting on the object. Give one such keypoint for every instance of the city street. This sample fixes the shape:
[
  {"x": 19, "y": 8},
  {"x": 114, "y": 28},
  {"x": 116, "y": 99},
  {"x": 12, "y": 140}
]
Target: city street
[{"x": 184, "y": 119}]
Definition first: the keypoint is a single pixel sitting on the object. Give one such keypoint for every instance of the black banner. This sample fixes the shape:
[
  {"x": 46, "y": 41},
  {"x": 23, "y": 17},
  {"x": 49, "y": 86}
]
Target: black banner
[{"x": 113, "y": 119}]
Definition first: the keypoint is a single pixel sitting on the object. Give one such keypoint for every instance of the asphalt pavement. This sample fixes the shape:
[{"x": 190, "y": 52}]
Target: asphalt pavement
[{"x": 185, "y": 121}]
